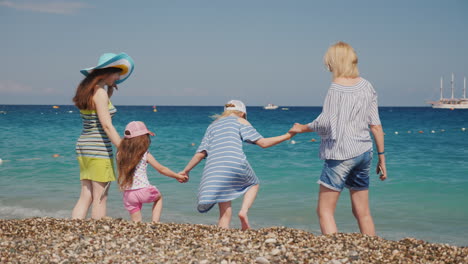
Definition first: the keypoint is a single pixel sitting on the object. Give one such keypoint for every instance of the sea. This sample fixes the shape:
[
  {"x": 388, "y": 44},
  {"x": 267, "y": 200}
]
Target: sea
[{"x": 424, "y": 197}]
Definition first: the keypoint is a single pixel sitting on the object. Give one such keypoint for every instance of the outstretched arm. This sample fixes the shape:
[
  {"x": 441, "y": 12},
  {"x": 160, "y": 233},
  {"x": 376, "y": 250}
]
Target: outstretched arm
[
  {"x": 378, "y": 134},
  {"x": 299, "y": 128},
  {"x": 165, "y": 170},
  {"x": 271, "y": 141},
  {"x": 193, "y": 162}
]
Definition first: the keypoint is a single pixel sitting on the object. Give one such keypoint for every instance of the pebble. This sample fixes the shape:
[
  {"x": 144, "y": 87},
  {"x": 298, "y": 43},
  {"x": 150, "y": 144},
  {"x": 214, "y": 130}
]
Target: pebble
[
  {"x": 50, "y": 240},
  {"x": 262, "y": 260},
  {"x": 275, "y": 252}
]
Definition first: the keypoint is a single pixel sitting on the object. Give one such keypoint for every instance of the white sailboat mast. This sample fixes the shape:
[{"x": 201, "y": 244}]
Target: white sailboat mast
[
  {"x": 464, "y": 88},
  {"x": 441, "y": 88},
  {"x": 453, "y": 94}
]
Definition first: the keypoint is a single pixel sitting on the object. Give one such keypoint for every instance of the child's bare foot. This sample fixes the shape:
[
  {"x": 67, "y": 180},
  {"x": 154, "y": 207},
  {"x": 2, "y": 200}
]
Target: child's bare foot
[{"x": 244, "y": 220}]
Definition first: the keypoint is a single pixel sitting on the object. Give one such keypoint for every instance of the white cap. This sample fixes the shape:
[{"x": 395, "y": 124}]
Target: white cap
[{"x": 238, "y": 106}]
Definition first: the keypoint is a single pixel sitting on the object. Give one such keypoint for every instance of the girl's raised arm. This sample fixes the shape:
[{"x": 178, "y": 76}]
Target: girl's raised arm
[
  {"x": 165, "y": 170},
  {"x": 271, "y": 141},
  {"x": 199, "y": 156},
  {"x": 267, "y": 142}
]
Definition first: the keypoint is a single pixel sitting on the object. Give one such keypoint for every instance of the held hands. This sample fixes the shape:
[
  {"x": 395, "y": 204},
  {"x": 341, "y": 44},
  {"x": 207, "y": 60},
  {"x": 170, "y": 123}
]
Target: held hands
[
  {"x": 297, "y": 128},
  {"x": 182, "y": 177}
]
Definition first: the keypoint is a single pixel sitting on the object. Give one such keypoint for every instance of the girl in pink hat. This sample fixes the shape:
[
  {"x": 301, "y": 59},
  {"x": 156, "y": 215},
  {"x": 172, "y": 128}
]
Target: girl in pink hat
[{"x": 132, "y": 159}]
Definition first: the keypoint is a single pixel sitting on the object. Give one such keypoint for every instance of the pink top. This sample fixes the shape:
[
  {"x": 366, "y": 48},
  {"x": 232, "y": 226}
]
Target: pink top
[{"x": 140, "y": 179}]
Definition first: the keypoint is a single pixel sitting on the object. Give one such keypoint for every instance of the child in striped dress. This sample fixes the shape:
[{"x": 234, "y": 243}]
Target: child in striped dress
[
  {"x": 227, "y": 173},
  {"x": 132, "y": 160}
]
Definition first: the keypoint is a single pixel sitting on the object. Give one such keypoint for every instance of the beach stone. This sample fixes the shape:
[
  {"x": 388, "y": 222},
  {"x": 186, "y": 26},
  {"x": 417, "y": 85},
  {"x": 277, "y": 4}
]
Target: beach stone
[
  {"x": 262, "y": 260},
  {"x": 353, "y": 255},
  {"x": 275, "y": 252},
  {"x": 270, "y": 240}
]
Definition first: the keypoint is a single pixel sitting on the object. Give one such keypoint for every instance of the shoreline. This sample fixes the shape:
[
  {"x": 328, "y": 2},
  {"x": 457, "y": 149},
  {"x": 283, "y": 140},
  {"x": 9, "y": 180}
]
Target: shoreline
[{"x": 112, "y": 240}]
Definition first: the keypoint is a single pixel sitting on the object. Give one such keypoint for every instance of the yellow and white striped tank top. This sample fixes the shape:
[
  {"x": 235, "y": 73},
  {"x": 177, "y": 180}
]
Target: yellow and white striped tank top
[{"x": 93, "y": 141}]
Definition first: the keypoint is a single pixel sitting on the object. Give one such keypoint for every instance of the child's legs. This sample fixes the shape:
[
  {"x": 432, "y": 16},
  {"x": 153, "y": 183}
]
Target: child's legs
[
  {"x": 326, "y": 209},
  {"x": 225, "y": 214},
  {"x": 99, "y": 206},
  {"x": 249, "y": 198},
  {"x": 84, "y": 202},
  {"x": 157, "y": 209},
  {"x": 361, "y": 210},
  {"x": 136, "y": 216}
]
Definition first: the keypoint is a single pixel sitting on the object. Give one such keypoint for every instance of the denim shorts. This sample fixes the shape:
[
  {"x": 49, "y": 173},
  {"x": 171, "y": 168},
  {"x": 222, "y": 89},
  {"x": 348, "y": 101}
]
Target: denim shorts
[{"x": 351, "y": 173}]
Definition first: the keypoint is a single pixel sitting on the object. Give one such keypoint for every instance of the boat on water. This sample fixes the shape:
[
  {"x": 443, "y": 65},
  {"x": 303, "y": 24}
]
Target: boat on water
[
  {"x": 451, "y": 103},
  {"x": 270, "y": 107}
]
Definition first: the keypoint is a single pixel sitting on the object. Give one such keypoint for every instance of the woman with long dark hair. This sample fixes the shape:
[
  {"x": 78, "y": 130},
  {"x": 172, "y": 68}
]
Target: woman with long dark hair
[{"x": 94, "y": 148}]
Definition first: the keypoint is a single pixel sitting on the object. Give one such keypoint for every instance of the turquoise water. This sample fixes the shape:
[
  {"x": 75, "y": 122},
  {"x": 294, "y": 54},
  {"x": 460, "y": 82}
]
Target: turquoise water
[{"x": 425, "y": 196}]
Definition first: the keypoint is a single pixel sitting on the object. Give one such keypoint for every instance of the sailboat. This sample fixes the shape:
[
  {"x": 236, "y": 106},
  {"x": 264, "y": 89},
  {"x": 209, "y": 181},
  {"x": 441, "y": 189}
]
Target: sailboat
[{"x": 451, "y": 103}]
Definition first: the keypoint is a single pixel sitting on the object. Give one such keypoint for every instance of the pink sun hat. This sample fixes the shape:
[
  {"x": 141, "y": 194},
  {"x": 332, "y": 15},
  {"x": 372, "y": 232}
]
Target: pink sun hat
[{"x": 135, "y": 129}]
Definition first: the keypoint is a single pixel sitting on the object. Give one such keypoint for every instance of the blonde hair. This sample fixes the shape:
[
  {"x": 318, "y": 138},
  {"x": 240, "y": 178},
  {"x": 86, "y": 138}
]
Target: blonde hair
[
  {"x": 341, "y": 60},
  {"x": 228, "y": 112}
]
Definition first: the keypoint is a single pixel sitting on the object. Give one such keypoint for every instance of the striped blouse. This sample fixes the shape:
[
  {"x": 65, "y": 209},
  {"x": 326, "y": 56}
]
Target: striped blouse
[
  {"x": 93, "y": 141},
  {"x": 344, "y": 122}
]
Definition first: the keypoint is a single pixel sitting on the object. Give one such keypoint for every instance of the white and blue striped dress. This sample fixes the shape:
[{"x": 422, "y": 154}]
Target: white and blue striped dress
[{"x": 227, "y": 173}]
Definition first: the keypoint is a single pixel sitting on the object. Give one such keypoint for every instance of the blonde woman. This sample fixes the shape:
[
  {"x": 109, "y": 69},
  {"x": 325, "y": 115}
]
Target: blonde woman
[
  {"x": 94, "y": 148},
  {"x": 227, "y": 173},
  {"x": 349, "y": 113}
]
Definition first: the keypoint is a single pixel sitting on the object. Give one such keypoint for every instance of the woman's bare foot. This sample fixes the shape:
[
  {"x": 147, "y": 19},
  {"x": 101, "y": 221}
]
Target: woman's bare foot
[{"x": 244, "y": 220}]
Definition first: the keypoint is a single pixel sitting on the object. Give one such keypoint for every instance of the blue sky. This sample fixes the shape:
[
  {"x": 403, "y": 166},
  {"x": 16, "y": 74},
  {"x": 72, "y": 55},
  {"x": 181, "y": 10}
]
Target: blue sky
[{"x": 206, "y": 52}]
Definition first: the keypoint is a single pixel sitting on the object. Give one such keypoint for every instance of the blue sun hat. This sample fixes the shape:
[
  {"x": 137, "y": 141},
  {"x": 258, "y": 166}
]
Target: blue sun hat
[{"x": 108, "y": 60}]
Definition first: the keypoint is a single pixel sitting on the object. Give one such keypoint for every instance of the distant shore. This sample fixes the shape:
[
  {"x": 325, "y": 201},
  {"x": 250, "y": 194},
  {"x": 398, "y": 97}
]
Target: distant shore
[{"x": 51, "y": 240}]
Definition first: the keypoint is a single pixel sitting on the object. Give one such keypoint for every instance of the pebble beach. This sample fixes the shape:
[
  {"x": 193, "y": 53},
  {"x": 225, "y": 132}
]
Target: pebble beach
[{"x": 52, "y": 240}]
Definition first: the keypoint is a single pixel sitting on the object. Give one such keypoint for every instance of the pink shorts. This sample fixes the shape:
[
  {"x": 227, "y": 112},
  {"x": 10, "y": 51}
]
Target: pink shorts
[{"x": 134, "y": 199}]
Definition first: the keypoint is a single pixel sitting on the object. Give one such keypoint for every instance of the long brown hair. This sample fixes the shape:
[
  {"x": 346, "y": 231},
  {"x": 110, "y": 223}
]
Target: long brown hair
[
  {"x": 130, "y": 152},
  {"x": 88, "y": 86}
]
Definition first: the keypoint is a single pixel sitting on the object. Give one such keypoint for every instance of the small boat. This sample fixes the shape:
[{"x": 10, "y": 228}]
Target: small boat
[
  {"x": 451, "y": 103},
  {"x": 284, "y": 108},
  {"x": 55, "y": 106},
  {"x": 270, "y": 107},
  {"x": 154, "y": 108}
]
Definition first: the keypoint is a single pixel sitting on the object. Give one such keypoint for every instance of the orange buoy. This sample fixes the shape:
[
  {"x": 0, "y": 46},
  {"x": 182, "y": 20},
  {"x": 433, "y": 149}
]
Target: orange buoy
[
  {"x": 56, "y": 155},
  {"x": 55, "y": 106},
  {"x": 312, "y": 140},
  {"x": 420, "y": 132}
]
